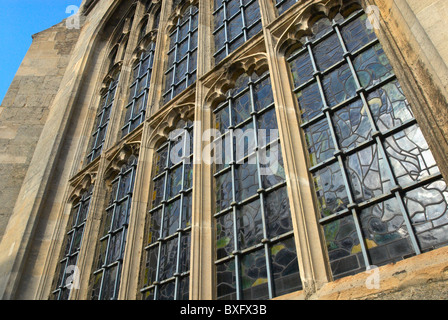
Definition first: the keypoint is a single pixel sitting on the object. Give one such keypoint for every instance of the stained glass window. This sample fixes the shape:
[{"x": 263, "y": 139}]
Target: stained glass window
[
  {"x": 102, "y": 119},
  {"x": 283, "y": 5},
  {"x": 110, "y": 251},
  {"x": 255, "y": 249},
  {"x": 138, "y": 94},
  {"x": 167, "y": 269},
  {"x": 182, "y": 54},
  {"x": 380, "y": 195},
  {"x": 67, "y": 274},
  {"x": 236, "y": 21}
]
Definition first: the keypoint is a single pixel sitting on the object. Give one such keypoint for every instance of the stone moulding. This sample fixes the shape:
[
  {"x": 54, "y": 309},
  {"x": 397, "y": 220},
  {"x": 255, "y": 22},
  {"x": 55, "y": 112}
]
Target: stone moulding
[
  {"x": 218, "y": 86},
  {"x": 301, "y": 24},
  {"x": 166, "y": 121},
  {"x": 120, "y": 157}
]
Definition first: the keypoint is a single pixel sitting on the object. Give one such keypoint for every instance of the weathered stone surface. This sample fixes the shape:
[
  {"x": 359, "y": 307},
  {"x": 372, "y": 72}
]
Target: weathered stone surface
[
  {"x": 25, "y": 108},
  {"x": 50, "y": 107}
]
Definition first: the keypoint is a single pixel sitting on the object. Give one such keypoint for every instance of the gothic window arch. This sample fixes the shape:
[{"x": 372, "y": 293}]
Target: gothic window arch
[
  {"x": 118, "y": 43},
  {"x": 67, "y": 274},
  {"x": 143, "y": 29},
  {"x": 167, "y": 244},
  {"x": 139, "y": 90},
  {"x": 235, "y": 22},
  {"x": 254, "y": 246},
  {"x": 108, "y": 262},
  {"x": 153, "y": 8},
  {"x": 379, "y": 192},
  {"x": 182, "y": 53},
  {"x": 103, "y": 115}
]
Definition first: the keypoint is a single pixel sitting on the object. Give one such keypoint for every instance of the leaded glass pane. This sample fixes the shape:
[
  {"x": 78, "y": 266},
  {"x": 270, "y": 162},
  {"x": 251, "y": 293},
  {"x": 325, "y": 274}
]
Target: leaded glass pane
[
  {"x": 283, "y": 5},
  {"x": 252, "y": 205},
  {"x": 226, "y": 280},
  {"x": 102, "y": 120},
  {"x": 110, "y": 250},
  {"x": 385, "y": 233},
  {"x": 235, "y": 23},
  {"x": 427, "y": 207},
  {"x": 365, "y": 148},
  {"x": 250, "y": 224},
  {"x": 169, "y": 219},
  {"x": 224, "y": 235},
  {"x": 254, "y": 276},
  {"x": 182, "y": 56},
  {"x": 72, "y": 245},
  {"x": 285, "y": 267},
  {"x": 138, "y": 93}
]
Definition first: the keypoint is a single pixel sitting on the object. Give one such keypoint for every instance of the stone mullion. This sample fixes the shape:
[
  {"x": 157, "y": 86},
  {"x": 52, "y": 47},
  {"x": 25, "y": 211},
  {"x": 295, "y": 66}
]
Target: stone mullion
[
  {"x": 96, "y": 208},
  {"x": 113, "y": 133},
  {"x": 155, "y": 94},
  {"x": 134, "y": 252},
  {"x": 202, "y": 254},
  {"x": 96, "y": 211},
  {"x": 202, "y": 233},
  {"x": 314, "y": 267},
  {"x": 86, "y": 260},
  {"x": 91, "y": 235}
]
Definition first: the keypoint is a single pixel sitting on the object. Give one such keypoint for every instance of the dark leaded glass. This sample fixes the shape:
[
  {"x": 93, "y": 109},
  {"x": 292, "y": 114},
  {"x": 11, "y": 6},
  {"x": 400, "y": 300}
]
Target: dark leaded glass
[
  {"x": 380, "y": 194},
  {"x": 138, "y": 95},
  {"x": 253, "y": 218},
  {"x": 167, "y": 268},
  {"x": 182, "y": 54},
  {"x": 235, "y": 22},
  {"x": 110, "y": 251},
  {"x": 102, "y": 119},
  {"x": 283, "y": 5},
  {"x": 66, "y": 271}
]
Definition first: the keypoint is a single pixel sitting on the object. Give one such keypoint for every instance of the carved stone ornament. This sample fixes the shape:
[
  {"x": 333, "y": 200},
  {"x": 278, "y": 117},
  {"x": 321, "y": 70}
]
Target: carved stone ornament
[
  {"x": 81, "y": 184},
  {"x": 226, "y": 79},
  {"x": 177, "y": 14},
  {"x": 301, "y": 24},
  {"x": 121, "y": 157},
  {"x": 167, "y": 120}
]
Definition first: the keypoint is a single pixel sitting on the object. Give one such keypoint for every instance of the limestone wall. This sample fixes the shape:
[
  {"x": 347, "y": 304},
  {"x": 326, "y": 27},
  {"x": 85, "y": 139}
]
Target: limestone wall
[{"x": 25, "y": 108}]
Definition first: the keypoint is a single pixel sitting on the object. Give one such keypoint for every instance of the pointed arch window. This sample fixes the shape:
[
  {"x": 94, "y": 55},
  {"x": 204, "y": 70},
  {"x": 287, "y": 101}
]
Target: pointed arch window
[
  {"x": 380, "y": 195},
  {"x": 235, "y": 22},
  {"x": 255, "y": 248},
  {"x": 167, "y": 268},
  {"x": 102, "y": 117},
  {"x": 110, "y": 251},
  {"x": 67, "y": 272},
  {"x": 138, "y": 92},
  {"x": 182, "y": 54}
]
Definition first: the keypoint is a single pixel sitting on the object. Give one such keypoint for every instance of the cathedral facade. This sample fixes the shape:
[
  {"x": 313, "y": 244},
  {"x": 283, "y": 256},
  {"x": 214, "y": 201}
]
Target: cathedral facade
[{"x": 229, "y": 150}]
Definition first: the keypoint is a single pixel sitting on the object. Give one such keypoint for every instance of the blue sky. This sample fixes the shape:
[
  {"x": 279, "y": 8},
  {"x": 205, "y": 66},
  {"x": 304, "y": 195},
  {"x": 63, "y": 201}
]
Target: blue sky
[{"x": 19, "y": 20}]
